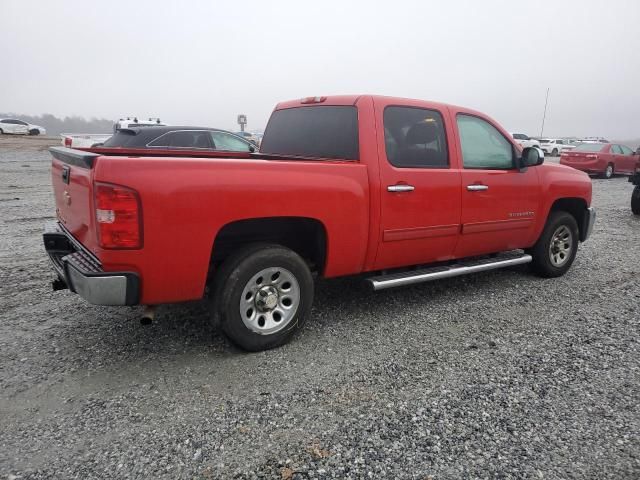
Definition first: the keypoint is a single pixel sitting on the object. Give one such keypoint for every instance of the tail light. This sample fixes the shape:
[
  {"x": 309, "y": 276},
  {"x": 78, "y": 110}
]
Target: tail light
[
  {"x": 118, "y": 216},
  {"x": 67, "y": 141},
  {"x": 592, "y": 157}
]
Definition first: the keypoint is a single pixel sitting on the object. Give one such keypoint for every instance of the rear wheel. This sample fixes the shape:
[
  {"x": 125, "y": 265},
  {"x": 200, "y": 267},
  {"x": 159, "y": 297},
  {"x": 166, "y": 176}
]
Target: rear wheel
[
  {"x": 1, "y": 131},
  {"x": 635, "y": 200},
  {"x": 608, "y": 172},
  {"x": 556, "y": 249},
  {"x": 263, "y": 294},
  {"x": 554, "y": 153}
]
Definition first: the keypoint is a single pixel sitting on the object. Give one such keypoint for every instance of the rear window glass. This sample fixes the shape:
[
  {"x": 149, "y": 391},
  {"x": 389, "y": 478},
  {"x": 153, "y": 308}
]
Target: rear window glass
[
  {"x": 123, "y": 138},
  {"x": 589, "y": 147},
  {"x": 316, "y": 132}
]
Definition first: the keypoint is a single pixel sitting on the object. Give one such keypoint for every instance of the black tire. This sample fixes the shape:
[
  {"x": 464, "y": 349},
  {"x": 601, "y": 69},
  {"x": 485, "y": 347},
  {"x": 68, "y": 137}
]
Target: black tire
[
  {"x": 235, "y": 276},
  {"x": 34, "y": 131},
  {"x": 554, "y": 153},
  {"x": 1, "y": 132},
  {"x": 635, "y": 200},
  {"x": 542, "y": 264},
  {"x": 608, "y": 172}
]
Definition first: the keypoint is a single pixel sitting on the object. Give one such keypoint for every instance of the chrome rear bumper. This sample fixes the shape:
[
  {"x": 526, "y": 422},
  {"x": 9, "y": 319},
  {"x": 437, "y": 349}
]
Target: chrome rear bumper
[{"x": 82, "y": 272}]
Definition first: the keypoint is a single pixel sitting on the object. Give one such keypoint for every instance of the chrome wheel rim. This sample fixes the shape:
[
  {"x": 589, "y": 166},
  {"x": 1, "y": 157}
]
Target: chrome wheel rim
[
  {"x": 269, "y": 300},
  {"x": 561, "y": 246},
  {"x": 609, "y": 171}
]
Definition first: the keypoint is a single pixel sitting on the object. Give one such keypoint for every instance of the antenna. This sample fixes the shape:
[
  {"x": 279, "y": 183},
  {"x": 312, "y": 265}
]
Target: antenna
[{"x": 544, "y": 115}]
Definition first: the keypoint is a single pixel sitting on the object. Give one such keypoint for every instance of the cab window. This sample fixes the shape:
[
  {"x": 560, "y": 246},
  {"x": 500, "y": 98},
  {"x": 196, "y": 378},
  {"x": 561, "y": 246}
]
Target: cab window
[
  {"x": 415, "y": 138},
  {"x": 228, "y": 142},
  {"x": 626, "y": 150},
  {"x": 183, "y": 139},
  {"x": 483, "y": 146}
]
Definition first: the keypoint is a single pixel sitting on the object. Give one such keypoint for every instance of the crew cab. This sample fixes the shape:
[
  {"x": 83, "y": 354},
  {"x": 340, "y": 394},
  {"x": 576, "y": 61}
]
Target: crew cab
[{"x": 402, "y": 191}]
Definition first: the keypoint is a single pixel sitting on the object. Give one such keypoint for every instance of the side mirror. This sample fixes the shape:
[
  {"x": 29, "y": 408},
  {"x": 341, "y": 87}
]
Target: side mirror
[
  {"x": 531, "y": 156},
  {"x": 251, "y": 149}
]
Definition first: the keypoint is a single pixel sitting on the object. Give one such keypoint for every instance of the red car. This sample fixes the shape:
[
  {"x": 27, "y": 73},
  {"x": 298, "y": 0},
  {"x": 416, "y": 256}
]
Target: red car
[
  {"x": 605, "y": 159},
  {"x": 405, "y": 190}
]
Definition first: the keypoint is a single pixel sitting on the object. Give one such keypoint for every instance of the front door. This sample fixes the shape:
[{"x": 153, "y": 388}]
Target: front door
[
  {"x": 499, "y": 202},
  {"x": 420, "y": 190}
]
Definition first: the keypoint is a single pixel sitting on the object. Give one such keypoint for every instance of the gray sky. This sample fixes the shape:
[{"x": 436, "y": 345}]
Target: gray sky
[{"x": 204, "y": 62}]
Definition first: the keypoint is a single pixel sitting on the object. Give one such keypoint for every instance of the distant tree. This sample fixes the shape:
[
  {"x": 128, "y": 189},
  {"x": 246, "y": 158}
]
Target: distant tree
[{"x": 56, "y": 126}]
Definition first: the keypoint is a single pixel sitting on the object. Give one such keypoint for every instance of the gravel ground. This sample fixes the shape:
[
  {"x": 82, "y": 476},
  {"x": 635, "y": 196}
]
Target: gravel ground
[{"x": 497, "y": 375}]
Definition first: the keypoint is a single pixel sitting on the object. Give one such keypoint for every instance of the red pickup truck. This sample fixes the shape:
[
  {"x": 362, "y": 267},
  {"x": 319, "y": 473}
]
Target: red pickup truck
[{"x": 404, "y": 190}]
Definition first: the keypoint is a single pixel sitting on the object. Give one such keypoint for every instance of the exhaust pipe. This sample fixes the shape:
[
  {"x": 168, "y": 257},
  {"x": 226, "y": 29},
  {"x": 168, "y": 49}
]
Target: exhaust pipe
[{"x": 148, "y": 314}]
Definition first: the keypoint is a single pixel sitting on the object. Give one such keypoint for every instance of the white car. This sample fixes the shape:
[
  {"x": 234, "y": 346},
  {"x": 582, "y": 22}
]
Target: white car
[
  {"x": 524, "y": 140},
  {"x": 83, "y": 140},
  {"x": 18, "y": 127},
  {"x": 553, "y": 146}
]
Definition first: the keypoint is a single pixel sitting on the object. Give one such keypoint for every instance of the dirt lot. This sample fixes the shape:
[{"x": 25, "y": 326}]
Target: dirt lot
[{"x": 498, "y": 375}]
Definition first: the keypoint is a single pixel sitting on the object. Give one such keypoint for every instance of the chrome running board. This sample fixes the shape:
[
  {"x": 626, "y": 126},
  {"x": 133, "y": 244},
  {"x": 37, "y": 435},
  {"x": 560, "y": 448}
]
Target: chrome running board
[{"x": 435, "y": 273}]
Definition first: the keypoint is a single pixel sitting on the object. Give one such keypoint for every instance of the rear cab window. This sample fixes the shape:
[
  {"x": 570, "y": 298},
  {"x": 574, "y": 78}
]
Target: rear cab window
[{"x": 318, "y": 131}]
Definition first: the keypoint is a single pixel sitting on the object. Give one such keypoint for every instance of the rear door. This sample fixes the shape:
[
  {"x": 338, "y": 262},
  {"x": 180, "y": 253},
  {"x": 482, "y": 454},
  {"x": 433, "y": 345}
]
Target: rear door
[
  {"x": 420, "y": 184},
  {"x": 626, "y": 160},
  {"x": 499, "y": 202}
]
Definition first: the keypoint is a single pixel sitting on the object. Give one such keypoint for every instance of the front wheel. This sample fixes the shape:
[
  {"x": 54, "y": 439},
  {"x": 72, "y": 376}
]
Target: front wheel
[
  {"x": 34, "y": 131},
  {"x": 635, "y": 200},
  {"x": 554, "y": 153},
  {"x": 263, "y": 294},
  {"x": 556, "y": 249}
]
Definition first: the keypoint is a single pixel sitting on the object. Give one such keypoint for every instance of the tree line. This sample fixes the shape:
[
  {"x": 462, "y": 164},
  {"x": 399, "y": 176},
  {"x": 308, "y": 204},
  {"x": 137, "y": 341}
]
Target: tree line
[{"x": 56, "y": 126}]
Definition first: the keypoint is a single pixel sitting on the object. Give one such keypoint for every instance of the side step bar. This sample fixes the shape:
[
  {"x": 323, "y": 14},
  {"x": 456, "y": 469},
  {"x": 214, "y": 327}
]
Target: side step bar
[{"x": 435, "y": 273}]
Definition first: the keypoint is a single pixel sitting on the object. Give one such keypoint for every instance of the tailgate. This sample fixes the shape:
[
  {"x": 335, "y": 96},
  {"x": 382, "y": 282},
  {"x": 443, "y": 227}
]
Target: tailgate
[{"x": 72, "y": 180}]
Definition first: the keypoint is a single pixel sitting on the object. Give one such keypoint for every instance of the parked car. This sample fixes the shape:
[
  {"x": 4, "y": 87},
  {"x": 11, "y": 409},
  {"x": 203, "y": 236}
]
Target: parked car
[
  {"x": 635, "y": 180},
  {"x": 524, "y": 140},
  {"x": 443, "y": 188},
  {"x": 18, "y": 127},
  {"x": 177, "y": 138},
  {"x": 132, "y": 122},
  {"x": 605, "y": 159},
  {"x": 83, "y": 140},
  {"x": 250, "y": 137},
  {"x": 594, "y": 140},
  {"x": 553, "y": 146}
]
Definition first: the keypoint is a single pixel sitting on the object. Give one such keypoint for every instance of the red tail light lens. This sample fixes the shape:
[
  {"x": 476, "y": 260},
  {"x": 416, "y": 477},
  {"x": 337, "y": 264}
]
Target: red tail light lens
[
  {"x": 118, "y": 216},
  {"x": 67, "y": 141}
]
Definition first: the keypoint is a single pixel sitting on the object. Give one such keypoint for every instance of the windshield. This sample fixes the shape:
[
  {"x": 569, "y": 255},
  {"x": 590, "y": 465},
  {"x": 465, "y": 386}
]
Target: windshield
[{"x": 589, "y": 147}]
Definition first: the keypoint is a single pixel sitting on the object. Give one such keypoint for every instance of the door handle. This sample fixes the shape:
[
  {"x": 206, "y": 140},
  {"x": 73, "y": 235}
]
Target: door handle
[
  {"x": 477, "y": 188},
  {"x": 401, "y": 188}
]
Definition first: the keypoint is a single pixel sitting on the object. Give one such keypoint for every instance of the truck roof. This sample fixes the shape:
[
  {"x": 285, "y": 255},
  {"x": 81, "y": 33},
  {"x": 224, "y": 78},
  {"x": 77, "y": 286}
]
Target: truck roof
[{"x": 336, "y": 100}]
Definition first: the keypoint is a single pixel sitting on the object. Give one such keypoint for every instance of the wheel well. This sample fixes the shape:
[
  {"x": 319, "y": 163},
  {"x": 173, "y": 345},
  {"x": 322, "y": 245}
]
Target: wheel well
[
  {"x": 305, "y": 236},
  {"x": 577, "y": 207}
]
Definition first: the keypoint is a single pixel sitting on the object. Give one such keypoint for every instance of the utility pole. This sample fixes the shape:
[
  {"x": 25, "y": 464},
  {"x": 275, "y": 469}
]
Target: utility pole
[{"x": 546, "y": 100}]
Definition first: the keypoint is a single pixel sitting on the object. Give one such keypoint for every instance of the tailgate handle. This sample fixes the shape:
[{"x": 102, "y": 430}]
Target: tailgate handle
[{"x": 66, "y": 173}]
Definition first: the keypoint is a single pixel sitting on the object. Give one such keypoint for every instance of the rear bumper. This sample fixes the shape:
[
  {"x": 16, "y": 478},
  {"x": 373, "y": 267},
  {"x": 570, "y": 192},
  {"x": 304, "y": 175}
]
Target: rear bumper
[
  {"x": 82, "y": 272},
  {"x": 589, "y": 221},
  {"x": 589, "y": 166}
]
